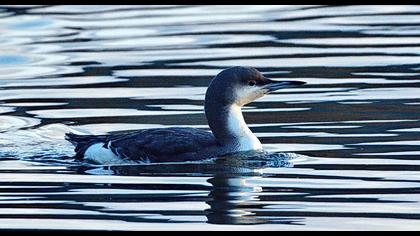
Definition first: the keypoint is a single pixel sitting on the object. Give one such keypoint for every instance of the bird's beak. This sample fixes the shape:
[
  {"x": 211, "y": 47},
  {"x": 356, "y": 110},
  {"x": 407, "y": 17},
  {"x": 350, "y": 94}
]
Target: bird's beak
[{"x": 272, "y": 85}]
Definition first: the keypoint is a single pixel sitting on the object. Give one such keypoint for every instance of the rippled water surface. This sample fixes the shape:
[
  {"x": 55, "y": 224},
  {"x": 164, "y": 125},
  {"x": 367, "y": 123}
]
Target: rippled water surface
[{"x": 352, "y": 132}]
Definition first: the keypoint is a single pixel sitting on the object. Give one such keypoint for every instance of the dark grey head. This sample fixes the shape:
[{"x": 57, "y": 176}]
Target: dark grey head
[{"x": 242, "y": 85}]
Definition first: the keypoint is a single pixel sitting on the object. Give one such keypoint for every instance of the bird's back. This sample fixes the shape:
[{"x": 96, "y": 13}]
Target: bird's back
[{"x": 149, "y": 145}]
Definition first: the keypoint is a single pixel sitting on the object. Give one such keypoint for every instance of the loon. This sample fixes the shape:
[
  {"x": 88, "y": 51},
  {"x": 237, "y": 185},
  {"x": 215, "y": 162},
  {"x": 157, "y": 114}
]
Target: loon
[{"x": 228, "y": 91}]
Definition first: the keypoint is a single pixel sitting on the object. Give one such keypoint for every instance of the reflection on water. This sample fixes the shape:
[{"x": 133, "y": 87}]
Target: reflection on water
[
  {"x": 232, "y": 198},
  {"x": 351, "y": 134}
]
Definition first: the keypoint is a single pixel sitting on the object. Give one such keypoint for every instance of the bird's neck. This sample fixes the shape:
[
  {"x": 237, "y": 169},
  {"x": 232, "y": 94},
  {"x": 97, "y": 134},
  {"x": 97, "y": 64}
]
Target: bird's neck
[{"x": 228, "y": 126}]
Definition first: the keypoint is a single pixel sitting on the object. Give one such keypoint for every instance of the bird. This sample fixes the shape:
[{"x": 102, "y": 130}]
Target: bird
[{"x": 226, "y": 94}]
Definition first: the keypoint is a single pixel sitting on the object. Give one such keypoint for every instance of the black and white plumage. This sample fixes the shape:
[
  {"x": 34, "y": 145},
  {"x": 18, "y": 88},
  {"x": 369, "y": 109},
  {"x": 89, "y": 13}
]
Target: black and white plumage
[
  {"x": 146, "y": 145},
  {"x": 227, "y": 93}
]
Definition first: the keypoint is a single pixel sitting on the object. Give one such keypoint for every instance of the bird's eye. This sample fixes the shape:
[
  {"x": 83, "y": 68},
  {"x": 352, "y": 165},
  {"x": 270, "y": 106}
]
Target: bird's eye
[{"x": 252, "y": 83}]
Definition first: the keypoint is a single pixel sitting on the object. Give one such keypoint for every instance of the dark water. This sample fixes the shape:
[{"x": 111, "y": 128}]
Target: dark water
[{"x": 353, "y": 130}]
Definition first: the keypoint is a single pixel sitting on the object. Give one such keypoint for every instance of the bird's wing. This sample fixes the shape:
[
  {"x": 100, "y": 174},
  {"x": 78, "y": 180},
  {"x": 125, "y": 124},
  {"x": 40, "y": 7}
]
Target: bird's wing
[{"x": 160, "y": 144}]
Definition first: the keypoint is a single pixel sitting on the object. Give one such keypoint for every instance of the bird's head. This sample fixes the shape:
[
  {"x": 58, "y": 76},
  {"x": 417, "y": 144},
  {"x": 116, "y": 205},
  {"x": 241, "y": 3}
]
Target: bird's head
[{"x": 242, "y": 85}]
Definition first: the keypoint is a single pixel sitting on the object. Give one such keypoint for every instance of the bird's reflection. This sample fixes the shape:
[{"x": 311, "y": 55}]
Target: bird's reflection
[
  {"x": 234, "y": 198},
  {"x": 231, "y": 201},
  {"x": 234, "y": 192}
]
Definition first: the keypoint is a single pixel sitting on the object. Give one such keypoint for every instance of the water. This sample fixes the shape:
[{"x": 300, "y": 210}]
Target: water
[{"x": 352, "y": 133}]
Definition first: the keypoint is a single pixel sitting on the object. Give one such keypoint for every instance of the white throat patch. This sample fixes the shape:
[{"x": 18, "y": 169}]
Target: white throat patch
[{"x": 236, "y": 124}]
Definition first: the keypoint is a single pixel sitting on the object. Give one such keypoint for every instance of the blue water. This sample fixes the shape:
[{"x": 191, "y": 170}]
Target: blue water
[{"x": 351, "y": 134}]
